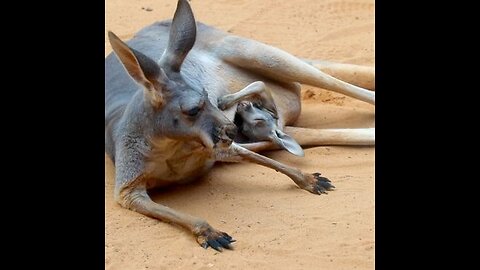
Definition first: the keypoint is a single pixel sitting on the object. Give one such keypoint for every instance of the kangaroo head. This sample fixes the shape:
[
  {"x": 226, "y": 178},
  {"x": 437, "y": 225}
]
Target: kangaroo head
[
  {"x": 179, "y": 110},
  {"x": 260, "y": 124}
]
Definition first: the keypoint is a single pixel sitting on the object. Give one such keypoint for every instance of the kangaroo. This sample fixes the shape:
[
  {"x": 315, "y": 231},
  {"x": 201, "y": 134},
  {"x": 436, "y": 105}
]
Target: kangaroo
[{"x": 172, "y": 94}]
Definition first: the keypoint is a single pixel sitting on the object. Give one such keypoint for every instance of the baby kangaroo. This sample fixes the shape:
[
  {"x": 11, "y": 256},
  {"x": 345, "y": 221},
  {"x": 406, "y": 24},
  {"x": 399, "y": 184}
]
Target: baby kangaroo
[{"x": 163, "y": 125}]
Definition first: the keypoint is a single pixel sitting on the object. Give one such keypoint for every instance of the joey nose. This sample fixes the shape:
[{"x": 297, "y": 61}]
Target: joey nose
[{"x": 231, "y": 131}]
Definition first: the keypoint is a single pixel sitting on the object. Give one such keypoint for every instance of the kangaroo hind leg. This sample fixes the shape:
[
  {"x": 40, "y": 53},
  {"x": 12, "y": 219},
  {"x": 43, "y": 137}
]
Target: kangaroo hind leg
[
  {"x": 362, "y": 76},
  {"x": 281, "y": 66},
  {"x": 320, "y": 137},
  {"x": 250, "y": 90}
]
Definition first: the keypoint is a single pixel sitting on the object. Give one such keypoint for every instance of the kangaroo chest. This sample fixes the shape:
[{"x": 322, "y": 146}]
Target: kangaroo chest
[{"x": 172, "y": 161}]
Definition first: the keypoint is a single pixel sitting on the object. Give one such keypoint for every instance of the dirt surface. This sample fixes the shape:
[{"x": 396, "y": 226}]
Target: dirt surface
[{"x": 277, "y": 225}]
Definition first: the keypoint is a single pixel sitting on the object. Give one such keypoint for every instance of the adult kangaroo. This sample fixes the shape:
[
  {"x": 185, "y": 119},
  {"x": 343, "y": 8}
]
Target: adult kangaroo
[{"x": 172, "y": 94}]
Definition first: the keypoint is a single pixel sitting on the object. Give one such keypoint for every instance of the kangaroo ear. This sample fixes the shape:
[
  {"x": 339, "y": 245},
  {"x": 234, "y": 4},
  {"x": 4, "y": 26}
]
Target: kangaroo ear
[
  {"x": 286, "y": 142},
  {"x": 264, "y": 100},
  {"x": 269, "y": 104},
  {"x": 140, "y": 67},
  {"x": 183, "y": 33}
]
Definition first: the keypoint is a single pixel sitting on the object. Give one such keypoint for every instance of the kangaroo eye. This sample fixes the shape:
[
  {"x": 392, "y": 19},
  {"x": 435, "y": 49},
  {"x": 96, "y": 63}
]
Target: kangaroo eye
[
  {"x": 192, "y": 112},
  {"x": 259, "y": 122},
  {"x": 192, "y": 109}
]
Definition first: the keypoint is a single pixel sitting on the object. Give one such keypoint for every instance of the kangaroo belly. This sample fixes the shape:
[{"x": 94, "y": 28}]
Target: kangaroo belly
[{"x": 172, "y": 161}]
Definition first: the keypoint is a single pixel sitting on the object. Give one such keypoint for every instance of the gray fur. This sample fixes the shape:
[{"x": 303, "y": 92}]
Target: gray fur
[
  {"x": 162, "y": 121},
  {"x": 259, "y": 124}
]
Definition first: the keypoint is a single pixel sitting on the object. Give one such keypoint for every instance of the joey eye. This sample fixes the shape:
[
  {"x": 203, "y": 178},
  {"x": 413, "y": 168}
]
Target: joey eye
[
  {"x": 259, "y": 122},
  {"x": 193, "y": 112}
]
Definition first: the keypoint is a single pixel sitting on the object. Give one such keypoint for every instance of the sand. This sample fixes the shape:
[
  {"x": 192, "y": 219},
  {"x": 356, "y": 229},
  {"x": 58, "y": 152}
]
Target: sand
[{"x": 277, "y": 225}]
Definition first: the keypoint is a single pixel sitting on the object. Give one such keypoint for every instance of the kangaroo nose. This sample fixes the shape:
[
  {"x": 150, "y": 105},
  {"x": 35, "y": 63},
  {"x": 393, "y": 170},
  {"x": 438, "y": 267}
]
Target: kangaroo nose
[{"x": 231, "y": 131}]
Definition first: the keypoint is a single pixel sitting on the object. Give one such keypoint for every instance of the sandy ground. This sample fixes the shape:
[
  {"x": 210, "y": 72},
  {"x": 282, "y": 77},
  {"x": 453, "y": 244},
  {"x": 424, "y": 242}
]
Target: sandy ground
[{"x": 277, "y": 225}]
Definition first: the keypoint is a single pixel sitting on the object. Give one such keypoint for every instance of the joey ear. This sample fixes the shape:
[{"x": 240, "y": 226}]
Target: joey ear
[
  {"x": 183, "y": 33},
  {"x": 269, "y": 103},
  {"x": 140, "y": 67},
  {"x": 286, "y": 142},
  {"x": 265, "y": 101}
]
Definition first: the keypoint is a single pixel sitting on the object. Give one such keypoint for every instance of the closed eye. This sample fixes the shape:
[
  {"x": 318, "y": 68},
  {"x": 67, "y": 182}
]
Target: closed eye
[
  {"x": 259, "y": 122},
  {"x": 193, "y": 112}
]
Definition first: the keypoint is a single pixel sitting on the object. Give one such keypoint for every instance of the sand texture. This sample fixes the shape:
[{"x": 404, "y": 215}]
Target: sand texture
[{"x": 276, "y": 224}]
